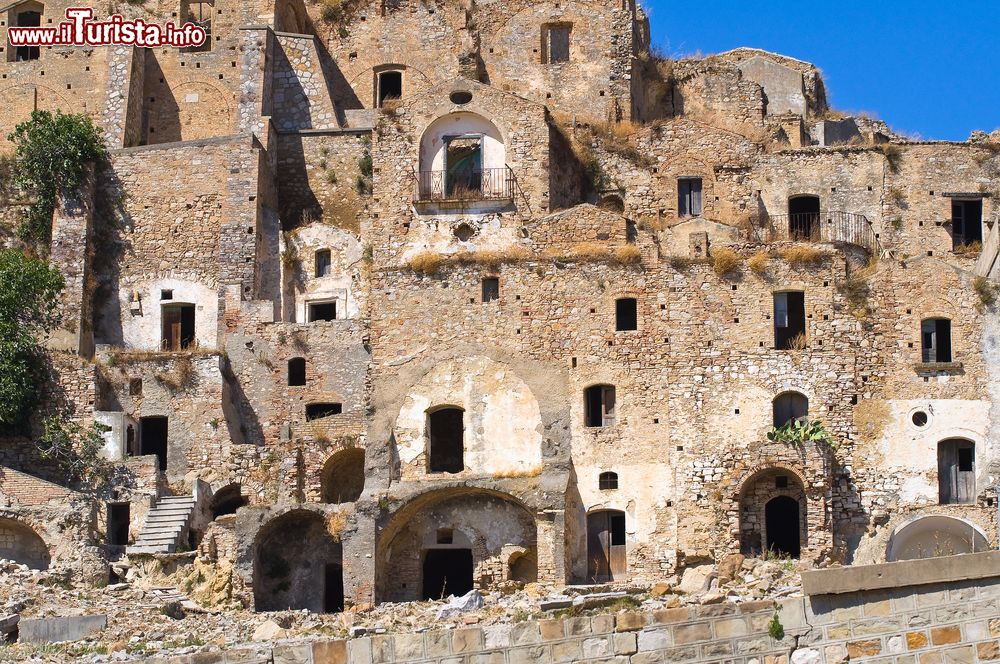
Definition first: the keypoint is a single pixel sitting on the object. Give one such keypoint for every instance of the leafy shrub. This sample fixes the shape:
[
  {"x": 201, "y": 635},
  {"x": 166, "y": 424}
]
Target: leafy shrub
[
  {"x": 29, "y": 292},
  {"x": 801, "y": 431},
  {"x": 775, "y": 628},
  {"x": 75, "y": 451},
  {"x": 51, "y": 153}
]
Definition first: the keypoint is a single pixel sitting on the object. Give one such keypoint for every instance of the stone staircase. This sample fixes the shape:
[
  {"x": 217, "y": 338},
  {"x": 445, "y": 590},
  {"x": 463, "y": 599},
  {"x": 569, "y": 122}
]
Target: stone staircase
[{"x": 165, "y": 525}]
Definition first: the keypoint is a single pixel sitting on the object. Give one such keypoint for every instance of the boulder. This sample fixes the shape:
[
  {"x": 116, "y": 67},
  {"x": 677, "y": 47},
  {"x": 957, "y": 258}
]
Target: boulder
[
  {"x": 697, "y": 579},
  {"x": 268, "y": 631},
  {"x": 729, "y": 566},
  {"x": 456, "y": 606}
]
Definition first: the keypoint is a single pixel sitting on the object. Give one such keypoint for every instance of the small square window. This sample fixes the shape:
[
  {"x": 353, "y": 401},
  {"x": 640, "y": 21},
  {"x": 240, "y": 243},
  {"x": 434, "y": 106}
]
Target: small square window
[{"x": 167, "y": 294}]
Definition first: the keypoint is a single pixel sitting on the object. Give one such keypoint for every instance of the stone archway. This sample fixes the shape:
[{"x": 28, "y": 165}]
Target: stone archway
[
  {"x": 22, "y": 544},
  {"x": 454, "y": 539},
  {"x": 343, "y": 477},
  {"x": 298, "y": 564},
  {"x": 773, "y": 513},
  {"x": 935, "y": 535}
]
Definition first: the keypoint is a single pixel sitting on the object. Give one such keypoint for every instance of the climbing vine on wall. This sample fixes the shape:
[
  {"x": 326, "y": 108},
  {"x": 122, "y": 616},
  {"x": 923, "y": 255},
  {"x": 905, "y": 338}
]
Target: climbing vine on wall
[{"x": 50, "y": 157}]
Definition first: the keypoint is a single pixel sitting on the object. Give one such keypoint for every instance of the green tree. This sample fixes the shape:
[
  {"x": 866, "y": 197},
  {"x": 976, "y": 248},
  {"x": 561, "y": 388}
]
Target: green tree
[
  {"x": 29, "y": 292},
  {"x": 51, "y": 152},
  {"x": 76, "y": 451}
]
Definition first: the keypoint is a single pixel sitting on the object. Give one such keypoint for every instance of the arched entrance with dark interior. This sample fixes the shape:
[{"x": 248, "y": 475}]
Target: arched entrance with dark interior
[
  {"x": 343, "y": 478},
  {"x": 450, "y": 541},
  {"x": 227, "y": 500},
  {"x": 298, "y": 564},
  {"x": 773, "y": 513},
  {"x": 21, "y": 544}
]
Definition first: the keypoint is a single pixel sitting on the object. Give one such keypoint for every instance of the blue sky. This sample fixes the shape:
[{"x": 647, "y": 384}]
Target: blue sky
[{"x": 930, "y": 69}]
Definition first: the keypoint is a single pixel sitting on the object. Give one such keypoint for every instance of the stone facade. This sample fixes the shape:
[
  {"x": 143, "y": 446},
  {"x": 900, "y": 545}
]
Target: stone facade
[{"x": 563, "y": 261}]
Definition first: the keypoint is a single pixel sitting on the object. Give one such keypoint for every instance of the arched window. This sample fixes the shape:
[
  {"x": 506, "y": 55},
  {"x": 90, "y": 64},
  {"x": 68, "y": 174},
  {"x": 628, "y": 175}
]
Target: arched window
[
  {"x": 297, "y": 371},
  {"x": 446, "y": 434},
  {"x": 789, "y": 406},
  {"x": 599, "y": 405},
  {"x": 343, "y": 478},
  {"x": 388, "y": 86},
  {"x": 956, "y": 471},
  {"x": 607, "y": 480},
  {"x": 935, "y": 340},
  {"x": 227, "y": 500}
]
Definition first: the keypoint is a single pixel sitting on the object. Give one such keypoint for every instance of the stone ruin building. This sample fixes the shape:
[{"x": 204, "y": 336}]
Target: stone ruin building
[{"x": 381, "y": 299}]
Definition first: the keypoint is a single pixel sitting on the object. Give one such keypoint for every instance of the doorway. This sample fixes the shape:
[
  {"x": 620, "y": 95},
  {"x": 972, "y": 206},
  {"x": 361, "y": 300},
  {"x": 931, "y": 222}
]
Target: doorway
[
  {"x": 803, "y": 218},
  {"x": 178, "y": 326},
  {"x": 153, "y": 438},
  {"x": 118, "y": 520},
  {"x": 781, "y": 519},
  {"x": 464, "y": 165},
  {"x": 606, "y": 559},
  {"x": 447, "y": 572},
  {"x": 333, "y": 588}
]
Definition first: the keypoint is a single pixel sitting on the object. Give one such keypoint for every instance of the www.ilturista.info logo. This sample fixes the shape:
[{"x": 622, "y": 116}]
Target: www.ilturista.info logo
[{"x": 79, "y": 30}]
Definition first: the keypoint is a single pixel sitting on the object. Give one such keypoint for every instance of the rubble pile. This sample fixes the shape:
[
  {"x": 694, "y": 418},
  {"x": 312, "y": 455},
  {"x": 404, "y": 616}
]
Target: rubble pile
[{"x": 145, "y": 617}]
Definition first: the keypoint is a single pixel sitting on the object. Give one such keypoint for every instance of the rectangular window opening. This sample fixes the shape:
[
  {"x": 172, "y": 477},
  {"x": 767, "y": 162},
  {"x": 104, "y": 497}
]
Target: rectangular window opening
[
  {"x": 322, "y": 311},
  {"x": 789, "y": 320},
  {"x": 555, "y": 42},
  {"x": 689, "y": 197},
  {"x": 390, "y": 86},
  {"x": 935, "y": 340},
  {"x": 626, "y": 314},
  {"x": 966, "y": 224},
  {"x": 323, "y": 263},
  {"x": 491, "y": 289}
]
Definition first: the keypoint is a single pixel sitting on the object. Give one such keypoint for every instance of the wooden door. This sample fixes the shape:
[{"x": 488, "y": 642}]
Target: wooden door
[
  {"x": 606, "y": 555},
  {"x": 171, "y": 328}
]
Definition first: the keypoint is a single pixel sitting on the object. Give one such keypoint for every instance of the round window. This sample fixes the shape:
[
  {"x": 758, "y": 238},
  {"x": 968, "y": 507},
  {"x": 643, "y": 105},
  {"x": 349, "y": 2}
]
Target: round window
[
  {"x": 464, "y": 232},
  {"x": 460, "y": 97},
  {"x": 919, "y": 419}
]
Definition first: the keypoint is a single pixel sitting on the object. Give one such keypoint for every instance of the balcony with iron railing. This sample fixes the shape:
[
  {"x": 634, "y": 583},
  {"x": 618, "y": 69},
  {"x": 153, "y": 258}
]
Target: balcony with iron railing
[
  {"x": 830, "y": 226},
  {"x": 486, "y": 184}
]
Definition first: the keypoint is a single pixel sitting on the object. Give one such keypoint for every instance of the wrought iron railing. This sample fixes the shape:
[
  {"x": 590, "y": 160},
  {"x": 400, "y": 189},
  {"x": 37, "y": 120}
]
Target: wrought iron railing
[
  {"x": 845, "y": 227},
  {"x": 473, "y": 185}
]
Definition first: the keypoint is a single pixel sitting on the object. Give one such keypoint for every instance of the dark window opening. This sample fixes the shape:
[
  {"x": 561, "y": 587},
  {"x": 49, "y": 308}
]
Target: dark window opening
[
  {"x": 956, "y": 471},
  {"x": 153, "y": 438},
  {"x": 555, "y": 42},
  {"x": 135, "y": 387},
  {"x": 789, "y": 320},
  {"x": 322, "y": 311},
  {"x": 626, "y": 316},
  {"x": 446, "y": 433},
  {"x": 966, "y": 224},
  {"x": 200, "y": 13},
  {"x": 28, "y": 19},
  {"x": 315, "y": 411},
  {"x": 131, "y": 449},
  {"x": 935, "y": 340},
  {"x": 606, "y": 559},
  {"x": 227, "y": 500},
  {"x": 491, "y": 289},
  {"x": 178, "y": 327},
  {"x": 781, "y": 518},
  {"x": 297, "y": 371},
  {"x": 333, "y": 588},
  {"x": 781, "y": 482},
  {"x": 803, "y": 218},
  {"x": 607, "y": 481},
  {"x": 322, "y": 263},
  {"x": 447, "y": 572},
  {"x": 919, "y": 418},
  {"x": 689, "y": 197},
  {"x": 390, "y": 86},
  {"x": 118, "y": 520},
  {"x": 167, "y": 294},
  {"x": 789, "y": 406},
  {"x": 599, "y": 402}
]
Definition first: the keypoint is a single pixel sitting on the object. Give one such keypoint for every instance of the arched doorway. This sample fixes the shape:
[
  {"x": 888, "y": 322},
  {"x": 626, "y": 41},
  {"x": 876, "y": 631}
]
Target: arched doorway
[
  {"x": 298, "y": 565},
  {"x": 450, "y": 541},
  {"x": 781, "y": 517},
  {"x": 773, "y": 514},
  {"x": 21, "y": 544},
  {"x": 803, "y": 218},
  {"x": 343, "y": 479},
  {"x": 606, "y": 555},
  {"x": 227, "y": 500}
]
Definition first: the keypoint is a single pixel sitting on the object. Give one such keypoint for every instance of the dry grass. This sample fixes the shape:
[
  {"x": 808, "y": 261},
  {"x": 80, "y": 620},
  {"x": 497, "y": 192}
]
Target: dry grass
[
  {"x": 968, "y": 248},
  {"x": 986, "y": 290},
  {"x": 870, "y": 418},
  {"x": 628, "y": 255},
  {"x": 798, "y": 342},
  {"x": 617, "y": 138},
  {"x": 897, "y": 197},
  {"x": 121, "y": 356},
  {"x": 180, "y": 376},
  {"x": 335, "y": 525},
  {"x": 534, "y": 471},
  {"x": 683, "y": 263},
  {"x": 725, "y": 261},
  {"x": 426, "y": 262},
  {"x": 802, "y": 255},
  {"x": 893, "y": 156},
  {"x": 759, "y": 262},
  {"x": 429, "y": 262}
]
